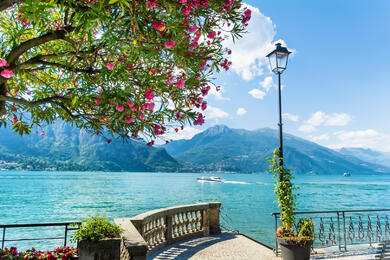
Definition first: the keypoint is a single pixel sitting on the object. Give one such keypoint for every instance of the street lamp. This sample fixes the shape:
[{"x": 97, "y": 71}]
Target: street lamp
[{"x": 278, "y": 61}]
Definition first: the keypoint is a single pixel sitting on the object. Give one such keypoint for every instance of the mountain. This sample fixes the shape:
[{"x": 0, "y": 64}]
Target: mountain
[
  {"x": 220, "y": 148},
  {"x": 367, "y": 155},
  {"x": 66, "y": 148}
]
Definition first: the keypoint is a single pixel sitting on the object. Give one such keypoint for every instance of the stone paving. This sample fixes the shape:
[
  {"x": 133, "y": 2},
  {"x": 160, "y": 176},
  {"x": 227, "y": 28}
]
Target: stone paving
[
  {"x": 233, "y": 246},
  {"x": 227, "y": 245}
]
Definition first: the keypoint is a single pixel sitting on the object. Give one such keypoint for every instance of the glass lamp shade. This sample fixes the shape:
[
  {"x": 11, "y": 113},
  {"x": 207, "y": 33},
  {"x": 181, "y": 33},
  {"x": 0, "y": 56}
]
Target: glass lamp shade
[{"x": 278, "y": 58}]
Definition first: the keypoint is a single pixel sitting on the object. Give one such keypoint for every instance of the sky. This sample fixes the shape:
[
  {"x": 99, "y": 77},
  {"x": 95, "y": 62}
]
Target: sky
[{"x": 336, "y": 88}]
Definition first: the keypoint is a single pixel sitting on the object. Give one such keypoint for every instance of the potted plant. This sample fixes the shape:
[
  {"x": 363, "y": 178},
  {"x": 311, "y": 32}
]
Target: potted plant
[
  {"x": 295, "y": 239},
  {"x": 98, "y": 238}
]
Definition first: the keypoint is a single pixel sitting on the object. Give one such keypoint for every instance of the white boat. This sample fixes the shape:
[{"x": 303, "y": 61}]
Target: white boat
[
  {"x": 211, "y": 179},
  {"x": 347, "y": 174}
]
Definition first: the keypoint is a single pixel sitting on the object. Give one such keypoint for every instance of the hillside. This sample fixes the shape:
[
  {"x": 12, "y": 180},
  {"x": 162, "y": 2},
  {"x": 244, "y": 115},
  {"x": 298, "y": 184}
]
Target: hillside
[
  {"x": 237, "y": 150},
  {"x": 368, "y": 155},
  {"x": 66, "y": 148}
]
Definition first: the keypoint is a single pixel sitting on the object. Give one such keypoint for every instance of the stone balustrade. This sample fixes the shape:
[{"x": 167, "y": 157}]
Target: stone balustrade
[{"x": 150, "y": 231}]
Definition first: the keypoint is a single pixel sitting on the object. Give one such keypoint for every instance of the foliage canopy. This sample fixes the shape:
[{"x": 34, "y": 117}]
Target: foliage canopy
[{"x": 132, "y": 68}]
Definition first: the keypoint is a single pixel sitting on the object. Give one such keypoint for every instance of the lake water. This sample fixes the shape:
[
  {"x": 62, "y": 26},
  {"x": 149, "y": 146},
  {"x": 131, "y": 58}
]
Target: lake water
[{"x": 247, "y": 200}]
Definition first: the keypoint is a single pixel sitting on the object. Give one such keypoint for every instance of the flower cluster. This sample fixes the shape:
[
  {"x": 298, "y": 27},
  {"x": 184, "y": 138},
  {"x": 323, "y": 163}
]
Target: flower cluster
[
  {"x": 127, "y": 68},
  {"x": 61, "y": 253}
]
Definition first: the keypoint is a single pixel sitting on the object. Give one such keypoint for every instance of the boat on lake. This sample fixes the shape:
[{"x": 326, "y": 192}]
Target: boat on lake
[
  {"x": 347, "y": 174},
  {"x": 210, "y": 179}
]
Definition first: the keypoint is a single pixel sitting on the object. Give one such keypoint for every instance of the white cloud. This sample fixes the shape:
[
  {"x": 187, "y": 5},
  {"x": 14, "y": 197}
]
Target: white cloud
[
  {"x": 323, "y": 137},
  {"x": 187, "y": 133},
  {"x": 256, "y": 93},
  {"x": 337, "y": 119},
  {"x": 317, "y": 119},
  {"x": 291, "y": 117},
  {"x": 267, "y": 83},
  {"x": 248, "y": 54},
  {"x": 321, "y": 118},
  {"x": 217, "y": 91},
  {"x": 307, "y": 128},
  {"x": 215, "y": 112},
  {"x": 241, "y": 111},
  {"x": 368, "y": 138}
]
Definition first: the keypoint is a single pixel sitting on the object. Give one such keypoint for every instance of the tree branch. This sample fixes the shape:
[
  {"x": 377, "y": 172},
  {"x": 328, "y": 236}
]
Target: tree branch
[
  {"x": 35, "y": 103},
  {"x": 4, "y": 4},
  {"x": 25, "y": 46}
]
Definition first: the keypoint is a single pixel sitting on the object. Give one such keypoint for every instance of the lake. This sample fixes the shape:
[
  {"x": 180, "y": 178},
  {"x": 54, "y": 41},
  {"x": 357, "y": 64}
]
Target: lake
[{"x": 247, "y": 200}]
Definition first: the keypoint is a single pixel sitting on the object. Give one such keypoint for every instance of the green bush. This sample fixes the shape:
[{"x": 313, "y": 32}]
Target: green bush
[{"x": 96, "y": 228}]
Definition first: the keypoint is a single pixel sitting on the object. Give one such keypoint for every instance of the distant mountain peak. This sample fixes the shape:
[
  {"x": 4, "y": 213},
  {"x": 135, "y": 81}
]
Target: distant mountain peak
[{"x": 217, "y": 130}]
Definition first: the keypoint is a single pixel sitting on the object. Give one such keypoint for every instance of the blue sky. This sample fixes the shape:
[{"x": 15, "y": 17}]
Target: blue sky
[{"x": 337, "y": 83}]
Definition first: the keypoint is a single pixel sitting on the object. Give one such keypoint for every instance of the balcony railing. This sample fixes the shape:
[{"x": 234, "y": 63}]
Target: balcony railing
[
  {"x": 68, "y": 226},
  {"x": 346, "y": 227}
]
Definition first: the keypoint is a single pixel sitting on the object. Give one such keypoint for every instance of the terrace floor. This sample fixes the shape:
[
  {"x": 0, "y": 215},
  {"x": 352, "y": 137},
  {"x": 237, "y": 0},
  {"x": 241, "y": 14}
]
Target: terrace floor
[{"x": 233, "y": 246}]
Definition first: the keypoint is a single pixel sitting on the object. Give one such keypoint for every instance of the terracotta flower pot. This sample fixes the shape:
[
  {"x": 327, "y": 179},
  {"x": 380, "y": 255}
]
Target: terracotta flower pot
[{"x": 295, "y": 251}]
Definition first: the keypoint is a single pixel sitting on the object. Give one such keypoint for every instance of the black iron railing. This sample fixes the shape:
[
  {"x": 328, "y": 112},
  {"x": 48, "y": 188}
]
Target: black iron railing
[
  {"x": 68, "y": 226},
  {"x": 346, "y": 227}
]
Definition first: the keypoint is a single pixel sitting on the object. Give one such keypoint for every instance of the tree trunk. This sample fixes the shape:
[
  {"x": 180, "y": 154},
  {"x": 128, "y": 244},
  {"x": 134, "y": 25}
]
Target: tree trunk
[{"x": 3, "y": 91}]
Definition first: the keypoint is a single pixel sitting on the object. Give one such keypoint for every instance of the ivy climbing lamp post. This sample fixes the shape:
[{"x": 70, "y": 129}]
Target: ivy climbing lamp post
[{"x": 278, "y": 61}]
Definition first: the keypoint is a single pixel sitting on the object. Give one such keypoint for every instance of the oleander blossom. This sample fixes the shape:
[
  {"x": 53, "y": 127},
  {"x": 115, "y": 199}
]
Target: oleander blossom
[
  {"x": 149, "y": 94},
  {"x": 170, "y": 44},
  {"x": 110, "y": 65},
  {"x": 3, "y": 63},
  {"x": 7, "y": 73},
  {"x": 120, "y": 108},
  {"x": 158, "y": 25},
  {"x": 180, "y": 83}
]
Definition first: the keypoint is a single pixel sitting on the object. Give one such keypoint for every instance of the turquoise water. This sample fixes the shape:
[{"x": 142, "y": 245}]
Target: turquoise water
[{"x": 34, "y": 197}]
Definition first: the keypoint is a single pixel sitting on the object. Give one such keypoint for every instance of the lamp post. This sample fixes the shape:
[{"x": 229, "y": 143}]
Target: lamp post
[{"x": 278, "y": 61}]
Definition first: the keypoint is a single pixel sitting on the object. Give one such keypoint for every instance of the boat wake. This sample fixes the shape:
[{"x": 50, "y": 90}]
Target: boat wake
[{"x": 237, "y": 182}]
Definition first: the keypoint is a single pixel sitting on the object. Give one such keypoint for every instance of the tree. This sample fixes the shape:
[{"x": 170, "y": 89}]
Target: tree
[{"x": 129, "y": 68}]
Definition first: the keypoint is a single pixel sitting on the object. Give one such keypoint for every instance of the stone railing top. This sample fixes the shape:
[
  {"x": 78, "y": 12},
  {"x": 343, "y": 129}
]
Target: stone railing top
[
  {"x": 131, "y": 237},
  {"x": 173, "y": 210}
]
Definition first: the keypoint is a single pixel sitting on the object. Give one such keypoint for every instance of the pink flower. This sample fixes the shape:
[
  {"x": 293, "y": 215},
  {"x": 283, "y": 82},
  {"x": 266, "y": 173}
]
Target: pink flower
[
  {"x": 25, "y": 22},
  {"x": 98, "y": 101},
  {"x": 151, "y": 4},
  {"x": 43, "y": 133},
  {"x": 149, "y": 106},
  {"x": 134, "y": 108},
  {"x": 3, "y": 63},
  {"x": 212, "y": 35},
  {"x": 128, "y": 119},
  {"x": 183, "y": 2},
  {"x": 7, "y": 73},
  {"x": 141, "y": 116},
  {"x": 247, "y": 16},
  {"x": 158, "y": 26},
  {"x": 150, "y": 143},
  {"x": 120, "y": 108},
  {"x": 110, "y": 65},
  {"x": 200, "y": 120},
  {"x": 170, "y": 44},
  {"x": 129, "y": 103},
  {"x": 180, "y": 83},
  {"x": 170, "y": 81},
  {"x": 204, "y": 105},
  {"x": 109, "y": 141},
  {"x": 176, "y": 130},
  {"x": 152, "y": 71},
  {"x": 186, "y": 11},
  {"x": 149, "y": 94},
  {"x": 194, "y": 28}
]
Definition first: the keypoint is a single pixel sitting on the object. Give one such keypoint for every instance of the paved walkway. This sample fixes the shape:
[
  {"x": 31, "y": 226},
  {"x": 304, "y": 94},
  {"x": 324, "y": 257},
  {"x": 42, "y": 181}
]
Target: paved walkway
[
  {"x": 232, "y": 246},
  {"x": 226, "y": 246}
]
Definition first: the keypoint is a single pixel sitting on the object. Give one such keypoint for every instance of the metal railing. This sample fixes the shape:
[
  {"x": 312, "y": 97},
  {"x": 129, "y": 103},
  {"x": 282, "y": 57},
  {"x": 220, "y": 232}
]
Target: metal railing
[
  {"x": 346, "y": 227},
  {"x": 68, "y": 226}
]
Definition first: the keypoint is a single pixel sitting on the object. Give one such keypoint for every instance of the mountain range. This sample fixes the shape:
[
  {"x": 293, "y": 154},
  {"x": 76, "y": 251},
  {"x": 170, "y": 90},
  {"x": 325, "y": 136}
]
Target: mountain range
[
  {"x": 70, "y": 149},
  {"x": 217, "y": 149}
]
